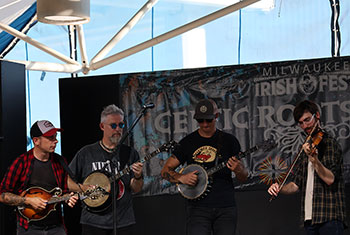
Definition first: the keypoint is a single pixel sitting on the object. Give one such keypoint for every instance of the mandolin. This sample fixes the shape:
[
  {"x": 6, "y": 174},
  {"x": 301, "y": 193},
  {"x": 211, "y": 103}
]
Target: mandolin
[{"x": 53, "y": 197}]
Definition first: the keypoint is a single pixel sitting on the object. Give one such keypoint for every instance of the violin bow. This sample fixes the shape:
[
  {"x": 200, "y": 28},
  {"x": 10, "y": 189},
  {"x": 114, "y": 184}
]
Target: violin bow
[{"x": 296, "y": 159}]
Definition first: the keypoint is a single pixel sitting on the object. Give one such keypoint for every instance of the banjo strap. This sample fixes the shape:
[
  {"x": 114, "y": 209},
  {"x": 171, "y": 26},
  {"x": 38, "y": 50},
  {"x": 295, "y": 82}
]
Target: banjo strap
[
  {"x": 219, "y": 142},
  {"x": 124, "y": 155},
  {"x": 121, "y": 154}
]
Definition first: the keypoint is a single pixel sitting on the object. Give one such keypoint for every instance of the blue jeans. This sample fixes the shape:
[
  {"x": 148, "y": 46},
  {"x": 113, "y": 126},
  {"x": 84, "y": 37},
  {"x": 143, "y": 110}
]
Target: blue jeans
[
  {"x": 215, "y": 221},
  {"x": 334, "y": 227}
]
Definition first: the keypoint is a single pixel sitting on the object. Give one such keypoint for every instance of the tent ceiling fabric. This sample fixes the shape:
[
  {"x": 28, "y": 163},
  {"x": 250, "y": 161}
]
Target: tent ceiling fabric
[
  {"x": 73, "y": 67},
  {"x": 17, "y": 14},
  {"x": 21, "y": 15},
  {"x": 10, "y": 10}
]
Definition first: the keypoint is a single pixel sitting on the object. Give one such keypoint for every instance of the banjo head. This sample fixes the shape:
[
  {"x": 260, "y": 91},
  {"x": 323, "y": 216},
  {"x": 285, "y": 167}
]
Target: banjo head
[
  {"x": 98, "y": 196},
  {"x": 194, "y": 192}
]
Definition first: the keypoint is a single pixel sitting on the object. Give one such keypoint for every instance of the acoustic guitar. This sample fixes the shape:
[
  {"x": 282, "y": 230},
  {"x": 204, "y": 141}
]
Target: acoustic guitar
[{"x": 203, "y": 186}]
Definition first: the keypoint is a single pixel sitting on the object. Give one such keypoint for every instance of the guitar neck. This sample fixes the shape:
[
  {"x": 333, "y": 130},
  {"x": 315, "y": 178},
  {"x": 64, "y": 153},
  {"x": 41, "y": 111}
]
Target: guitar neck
[{"x": 238, "y": 156}]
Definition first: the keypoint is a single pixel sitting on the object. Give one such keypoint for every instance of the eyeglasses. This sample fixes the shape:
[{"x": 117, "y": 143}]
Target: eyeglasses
[
  {"x": 202, "y": 120},
  {"x": 115, "y": 125},
  {"x": 307, "y": 120}
]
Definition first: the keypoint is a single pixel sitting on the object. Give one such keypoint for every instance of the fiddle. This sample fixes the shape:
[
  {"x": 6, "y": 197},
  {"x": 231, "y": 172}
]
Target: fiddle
[{"x": 316, "y": 138}]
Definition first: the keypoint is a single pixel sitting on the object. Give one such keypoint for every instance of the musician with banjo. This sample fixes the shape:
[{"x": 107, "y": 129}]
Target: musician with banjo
[
  {"x": 214, "y": 211},
  {"x": 94, "y": 164},
  {"x": 34, "y": 183}
]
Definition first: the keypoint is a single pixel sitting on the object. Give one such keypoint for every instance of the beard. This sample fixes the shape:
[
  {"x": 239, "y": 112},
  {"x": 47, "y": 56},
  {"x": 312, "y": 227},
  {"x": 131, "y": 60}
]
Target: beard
[
  {"x": 115, "y": 139},
  {"x": 308, "y": 130}
]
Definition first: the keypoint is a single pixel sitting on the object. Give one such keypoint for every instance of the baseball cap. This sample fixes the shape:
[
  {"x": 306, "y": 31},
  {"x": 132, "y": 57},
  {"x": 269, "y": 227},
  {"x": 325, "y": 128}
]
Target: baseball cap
[
  {"x": 205, "y": 109},
  {"x": 43, "y": 128}
]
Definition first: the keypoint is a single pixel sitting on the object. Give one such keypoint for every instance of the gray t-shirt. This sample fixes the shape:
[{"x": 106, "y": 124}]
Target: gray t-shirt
[{"x": 94, "y": 158}]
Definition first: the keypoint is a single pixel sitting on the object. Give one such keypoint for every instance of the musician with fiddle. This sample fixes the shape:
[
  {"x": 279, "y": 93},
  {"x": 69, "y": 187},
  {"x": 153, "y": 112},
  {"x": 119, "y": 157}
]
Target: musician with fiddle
[
  {"x": 33, "y": 180},
  {"x": 318, "y": 174},
  {"x": 214, "y": 211}
]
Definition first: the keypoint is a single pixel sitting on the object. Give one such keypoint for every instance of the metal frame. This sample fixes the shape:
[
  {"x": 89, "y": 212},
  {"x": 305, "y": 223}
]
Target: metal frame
[{"x": 97, "y": 61}]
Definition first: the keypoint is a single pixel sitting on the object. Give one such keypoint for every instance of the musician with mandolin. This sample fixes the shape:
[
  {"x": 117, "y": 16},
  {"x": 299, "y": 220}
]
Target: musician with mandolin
[
  {"x": 35, "y": 182},
  {"x": 211, "y": 206},
  {"x": 96, "y": 166},
  {"x": 317, "y": 174}
]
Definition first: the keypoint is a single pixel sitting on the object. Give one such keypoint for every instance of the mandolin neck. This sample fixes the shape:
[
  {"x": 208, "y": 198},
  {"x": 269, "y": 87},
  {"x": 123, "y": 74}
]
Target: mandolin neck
[{"x": 55, "y": 199}]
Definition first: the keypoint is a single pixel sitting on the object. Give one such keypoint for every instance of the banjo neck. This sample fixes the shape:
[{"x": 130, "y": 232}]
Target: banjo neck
[
  {"x": 127, "y": 169},
  {"x": 239, "y": 156}
]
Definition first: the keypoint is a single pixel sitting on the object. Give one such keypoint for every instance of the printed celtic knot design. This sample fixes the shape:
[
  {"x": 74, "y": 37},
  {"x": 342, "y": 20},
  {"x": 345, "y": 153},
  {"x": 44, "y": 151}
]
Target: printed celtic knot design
[
  {"x": 339, "y": 131},
  {"x": 288, "y": 139}
]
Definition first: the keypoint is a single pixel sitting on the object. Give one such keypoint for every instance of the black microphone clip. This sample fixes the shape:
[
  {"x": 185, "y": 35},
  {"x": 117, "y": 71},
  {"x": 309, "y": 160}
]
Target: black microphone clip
[{"x": 148, "y": 106}]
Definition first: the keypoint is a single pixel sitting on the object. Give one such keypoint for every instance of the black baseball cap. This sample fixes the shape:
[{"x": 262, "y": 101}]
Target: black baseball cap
[{"x": 205, "y": 109}]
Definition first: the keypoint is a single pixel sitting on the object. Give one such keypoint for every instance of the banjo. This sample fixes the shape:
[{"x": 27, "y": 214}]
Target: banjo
[
  {"x": 203, "y": 186},
  {"x": 102, "y": 180}
]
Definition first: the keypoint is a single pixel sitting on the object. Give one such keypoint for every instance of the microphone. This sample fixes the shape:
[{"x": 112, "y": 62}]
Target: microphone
[{"x": 148, "y": 106}]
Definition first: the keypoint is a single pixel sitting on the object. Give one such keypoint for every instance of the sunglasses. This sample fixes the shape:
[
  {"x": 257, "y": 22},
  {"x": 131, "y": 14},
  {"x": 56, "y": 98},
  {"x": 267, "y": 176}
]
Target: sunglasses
[
  {"x": 115, "y": 125},
  {"x": 202, "y": 120}
]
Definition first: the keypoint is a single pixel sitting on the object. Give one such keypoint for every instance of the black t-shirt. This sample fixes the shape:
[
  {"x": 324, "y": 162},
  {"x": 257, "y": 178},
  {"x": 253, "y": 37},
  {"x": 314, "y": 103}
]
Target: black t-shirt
[
  {"x": 195, "y": 149},
  {"x": 43, "y": 176}
]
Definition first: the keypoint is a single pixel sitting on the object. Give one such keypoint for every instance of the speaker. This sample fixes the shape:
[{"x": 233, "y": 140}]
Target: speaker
[{"x": 13, "y": 138}]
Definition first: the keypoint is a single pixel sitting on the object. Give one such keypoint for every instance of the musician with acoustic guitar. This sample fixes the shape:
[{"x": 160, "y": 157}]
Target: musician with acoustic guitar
[
  {"x": 34, "y": 183},
  {"x": 211, "y": 210},
  {"x": 96, "y": 165}
]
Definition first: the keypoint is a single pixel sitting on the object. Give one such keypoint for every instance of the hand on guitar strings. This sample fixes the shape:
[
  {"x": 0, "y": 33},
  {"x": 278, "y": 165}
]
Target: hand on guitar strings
[{"x": 190, "y": 178}]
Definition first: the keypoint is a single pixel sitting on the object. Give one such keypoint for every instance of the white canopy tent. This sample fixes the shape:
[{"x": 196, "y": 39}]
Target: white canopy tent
[
  {"x": 98, "y": 61},
  {"x": 140, "y": 35}
]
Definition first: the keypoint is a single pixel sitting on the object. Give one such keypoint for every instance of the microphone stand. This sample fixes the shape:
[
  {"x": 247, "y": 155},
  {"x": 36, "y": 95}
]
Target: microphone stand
[{"x": 117, "y": 150}]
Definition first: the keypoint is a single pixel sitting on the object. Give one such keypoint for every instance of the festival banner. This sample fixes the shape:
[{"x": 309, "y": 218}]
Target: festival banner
[{"x": 256, "y": 103}]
